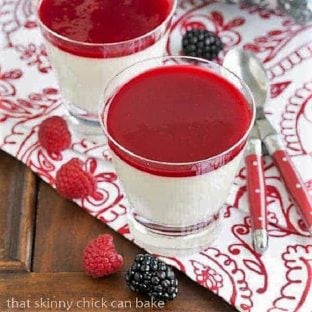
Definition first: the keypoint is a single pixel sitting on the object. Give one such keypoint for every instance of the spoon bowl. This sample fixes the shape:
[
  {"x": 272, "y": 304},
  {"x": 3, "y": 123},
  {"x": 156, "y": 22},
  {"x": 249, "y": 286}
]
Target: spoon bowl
[{"x": 249, "y": 68}]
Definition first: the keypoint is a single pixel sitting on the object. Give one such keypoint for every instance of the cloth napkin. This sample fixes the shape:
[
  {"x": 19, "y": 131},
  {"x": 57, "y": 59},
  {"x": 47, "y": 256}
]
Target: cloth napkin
[{"x": 280, "y": 280}]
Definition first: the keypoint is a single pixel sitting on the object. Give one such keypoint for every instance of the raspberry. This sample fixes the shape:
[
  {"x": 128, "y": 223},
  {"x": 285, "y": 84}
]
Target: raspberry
[
  {"x": 72, "y": 182},
  {"x": 100, "y": 257},
  {"x": 104, "y": 242},
  {"x": 54, "y": 135}
]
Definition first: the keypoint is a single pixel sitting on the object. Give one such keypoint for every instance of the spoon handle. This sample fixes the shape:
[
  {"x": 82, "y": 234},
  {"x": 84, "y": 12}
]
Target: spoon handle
[
  {"x": 295, "y": 186},
  {"x": 256, "y": 194}
]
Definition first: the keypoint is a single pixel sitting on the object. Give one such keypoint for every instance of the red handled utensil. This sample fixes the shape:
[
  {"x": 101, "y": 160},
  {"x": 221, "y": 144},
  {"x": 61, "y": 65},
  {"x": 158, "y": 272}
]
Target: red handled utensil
[
  {"x": 249, "y": 69},
  {"x": 291, "y": 177},
  {"x": 247, "y": 66},
  {"x": 256, "y": 191}
]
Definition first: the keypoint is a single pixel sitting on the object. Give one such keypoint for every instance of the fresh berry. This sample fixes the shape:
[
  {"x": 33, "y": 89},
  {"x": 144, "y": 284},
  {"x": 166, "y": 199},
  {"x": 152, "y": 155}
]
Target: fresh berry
[
  {"x": 201, "y": 43},
  {"x": 100, "y": 257},
  {"x": 54, "y": 135},
  {"x": 153, "y": 277},
  {"x": 73, "y": 182},
  {"x": 104, "y": 241}
]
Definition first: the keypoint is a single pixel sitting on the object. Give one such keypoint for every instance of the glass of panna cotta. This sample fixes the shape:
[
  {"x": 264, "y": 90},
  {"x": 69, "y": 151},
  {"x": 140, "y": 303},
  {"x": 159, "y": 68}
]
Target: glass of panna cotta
[
  {"x": 90, "y": 41},
  {"x": 177, "y": 133}
]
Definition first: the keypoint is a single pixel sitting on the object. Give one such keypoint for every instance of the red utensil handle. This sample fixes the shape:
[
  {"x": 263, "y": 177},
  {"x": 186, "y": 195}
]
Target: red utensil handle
[
  {"x": 295, "y": 186},
  {"x": 256, "y": 191}
]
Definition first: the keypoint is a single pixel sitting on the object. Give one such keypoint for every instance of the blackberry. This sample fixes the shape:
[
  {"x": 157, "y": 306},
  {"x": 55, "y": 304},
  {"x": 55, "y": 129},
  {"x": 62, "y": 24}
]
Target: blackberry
[
  {"x": 153, "y": 277},
  {"x": 201, "y": 43}
]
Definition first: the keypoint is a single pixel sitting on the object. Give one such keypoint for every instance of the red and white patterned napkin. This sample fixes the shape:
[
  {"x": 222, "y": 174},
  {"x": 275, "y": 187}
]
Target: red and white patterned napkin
[{"x": 280, "y": 280}]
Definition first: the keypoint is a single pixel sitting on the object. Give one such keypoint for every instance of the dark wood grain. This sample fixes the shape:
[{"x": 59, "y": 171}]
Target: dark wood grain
[
  {"x": 76, "y": 286},
  {"x": 62, "y": 230},
  {"x": 17, "y": 214}
]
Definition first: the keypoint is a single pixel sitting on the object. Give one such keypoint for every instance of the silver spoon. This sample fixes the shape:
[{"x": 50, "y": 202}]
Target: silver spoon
[{"x": 249, "y": 68}]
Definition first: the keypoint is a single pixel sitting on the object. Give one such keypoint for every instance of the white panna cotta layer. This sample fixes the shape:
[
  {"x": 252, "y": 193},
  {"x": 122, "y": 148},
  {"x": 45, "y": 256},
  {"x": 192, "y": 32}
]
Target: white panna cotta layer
[
  {"x": 83, "y": 80},
  {"x": 176, "y": 201}
]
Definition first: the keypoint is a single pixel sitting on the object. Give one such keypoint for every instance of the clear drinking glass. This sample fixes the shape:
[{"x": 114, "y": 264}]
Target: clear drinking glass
[
  {"x": 84, "y": 69},
  {"x": 178, "y": 212}
]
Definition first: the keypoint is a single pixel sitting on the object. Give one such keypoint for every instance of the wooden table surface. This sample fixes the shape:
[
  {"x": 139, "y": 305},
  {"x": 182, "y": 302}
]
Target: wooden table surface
[{"x": 41, "y": 241}]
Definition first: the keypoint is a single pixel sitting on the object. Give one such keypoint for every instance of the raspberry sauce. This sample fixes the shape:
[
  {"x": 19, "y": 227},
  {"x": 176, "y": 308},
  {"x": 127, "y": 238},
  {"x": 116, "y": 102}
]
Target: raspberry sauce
[
  {"x": 178, "y": 114},
  {"x": 103, "y": 21}
]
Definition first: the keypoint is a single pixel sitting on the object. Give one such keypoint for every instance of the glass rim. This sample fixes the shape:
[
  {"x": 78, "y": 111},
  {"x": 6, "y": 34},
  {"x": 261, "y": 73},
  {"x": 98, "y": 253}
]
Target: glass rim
[
  {"x": 104, "y": 108},
  {"x": 109, "y": 44}
]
